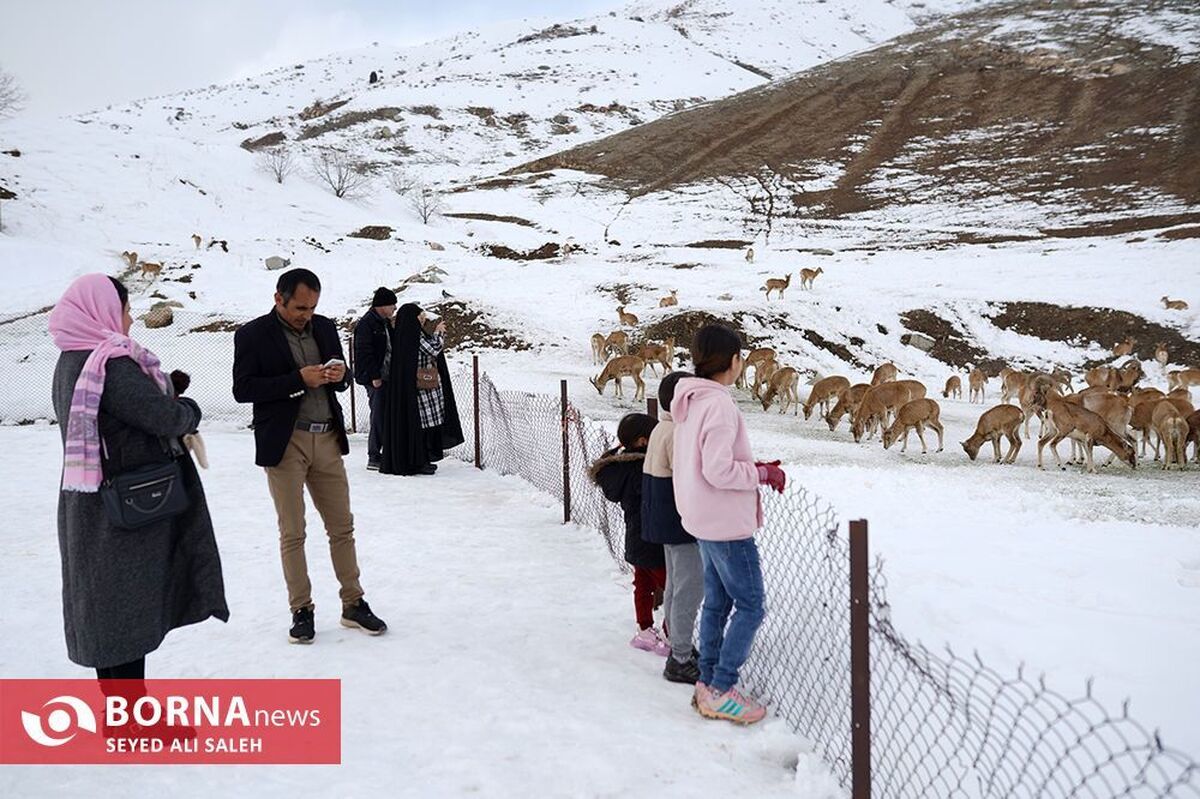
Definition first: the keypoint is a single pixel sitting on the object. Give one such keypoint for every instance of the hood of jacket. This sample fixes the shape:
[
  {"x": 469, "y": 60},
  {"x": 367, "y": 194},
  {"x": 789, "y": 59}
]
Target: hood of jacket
[
  {"x": 693, "y": 394},
  {"x": 623, "y": 456}
]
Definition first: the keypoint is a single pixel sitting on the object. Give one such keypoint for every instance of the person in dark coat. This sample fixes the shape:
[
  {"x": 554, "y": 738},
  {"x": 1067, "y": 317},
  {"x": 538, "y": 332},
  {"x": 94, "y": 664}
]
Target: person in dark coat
[
  {"x": 372, "y": 364},
  {"x": 419, "y": 424},
  {"x": 123, "y": 590},
  {"x": 618, "y": 473},
  {"x": 289, "y": 363}
]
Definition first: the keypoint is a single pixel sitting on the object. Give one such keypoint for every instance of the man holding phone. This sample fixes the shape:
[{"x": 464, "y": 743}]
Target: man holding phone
[{"x": 289, "y": 364}]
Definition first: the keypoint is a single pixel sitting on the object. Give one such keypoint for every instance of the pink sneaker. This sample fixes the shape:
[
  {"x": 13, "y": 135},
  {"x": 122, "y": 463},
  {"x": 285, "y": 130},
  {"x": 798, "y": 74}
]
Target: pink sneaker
[
  {"x": 732, "y": 705},
  {"x": 651, "y": 640},
  {"x": 700, "y": 694}
]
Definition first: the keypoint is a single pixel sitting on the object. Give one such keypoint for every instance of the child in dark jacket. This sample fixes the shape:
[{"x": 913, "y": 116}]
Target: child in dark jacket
[
  {"x": 661, "y": 525},
  {"x": 618, "y": 473}
]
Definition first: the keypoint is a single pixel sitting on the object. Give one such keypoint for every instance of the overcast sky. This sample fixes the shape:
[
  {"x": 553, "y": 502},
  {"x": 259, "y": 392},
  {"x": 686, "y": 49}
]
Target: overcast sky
[{"x": 76, "y": 55}]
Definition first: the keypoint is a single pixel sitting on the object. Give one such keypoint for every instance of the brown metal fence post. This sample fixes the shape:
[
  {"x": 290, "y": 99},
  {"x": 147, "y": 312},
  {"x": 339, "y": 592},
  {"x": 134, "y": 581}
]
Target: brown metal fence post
[
  {"x": 652, "y": 407},
  {"x": 860, "y": 662},
  {"x": 353, "y": 389},
  {"x": 478, "y": 438},
  {"x": 566, "y": 454}
]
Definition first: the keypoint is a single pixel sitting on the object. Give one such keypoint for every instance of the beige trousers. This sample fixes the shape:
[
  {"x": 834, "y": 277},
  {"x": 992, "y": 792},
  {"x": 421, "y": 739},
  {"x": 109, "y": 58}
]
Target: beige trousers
[{"x": 314, "y": 460}]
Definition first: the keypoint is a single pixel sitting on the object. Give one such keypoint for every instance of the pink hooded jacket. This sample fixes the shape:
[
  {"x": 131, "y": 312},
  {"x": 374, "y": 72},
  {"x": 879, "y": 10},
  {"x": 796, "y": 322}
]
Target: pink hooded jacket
[{"x": 716, "y": 480}]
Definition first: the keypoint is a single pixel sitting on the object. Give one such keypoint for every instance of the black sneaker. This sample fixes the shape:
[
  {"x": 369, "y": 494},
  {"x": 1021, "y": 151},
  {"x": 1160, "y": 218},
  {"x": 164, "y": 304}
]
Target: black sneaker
[
  {"x": 686, "y": 672},
  {"x": 302, "y": 631},
  {"x": 372, "y": 466},
  {"x": 360, "y": 616},
  {"x": 428, "y": 468}
]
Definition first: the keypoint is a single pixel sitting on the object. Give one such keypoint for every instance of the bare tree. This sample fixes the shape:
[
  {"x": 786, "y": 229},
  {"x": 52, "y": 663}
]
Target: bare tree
[
  {"x": 344, "y": 176},
  {"x": 426, "y": 202},
  {"x": 277, "y": 162},
  {"x": 11, "y": 96},
  {"x": 767, "y": 194},
  {"x": 402, "y": 181}
]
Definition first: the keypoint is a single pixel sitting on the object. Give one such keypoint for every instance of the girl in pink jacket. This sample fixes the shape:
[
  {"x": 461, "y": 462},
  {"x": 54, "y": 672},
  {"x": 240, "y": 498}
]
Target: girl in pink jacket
[{"x": 716, "y": 491}]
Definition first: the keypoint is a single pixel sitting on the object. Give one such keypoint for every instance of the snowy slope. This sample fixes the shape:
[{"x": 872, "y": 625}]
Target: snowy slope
[{"x": 778, "y": 37}]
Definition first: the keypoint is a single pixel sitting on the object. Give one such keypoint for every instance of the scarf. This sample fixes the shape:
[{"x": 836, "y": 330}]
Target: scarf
[{"x": 89, "y": 317}]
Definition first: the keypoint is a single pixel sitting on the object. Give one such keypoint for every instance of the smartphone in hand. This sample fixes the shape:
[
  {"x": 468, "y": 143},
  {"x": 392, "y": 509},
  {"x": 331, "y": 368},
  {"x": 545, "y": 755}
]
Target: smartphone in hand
[{"x": 332, "y": 362}]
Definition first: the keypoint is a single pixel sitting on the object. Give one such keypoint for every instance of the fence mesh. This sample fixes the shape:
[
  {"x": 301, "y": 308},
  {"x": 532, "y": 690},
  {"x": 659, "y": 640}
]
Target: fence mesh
[{"x": 943, "y": 725}]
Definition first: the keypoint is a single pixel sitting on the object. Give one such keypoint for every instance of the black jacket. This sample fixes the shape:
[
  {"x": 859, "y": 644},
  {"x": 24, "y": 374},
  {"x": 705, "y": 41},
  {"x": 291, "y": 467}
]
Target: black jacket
[
  {"x": 265, "y": 373},
  {"x": 619, "y": 476},
  {"x": 370, "y": 346}
]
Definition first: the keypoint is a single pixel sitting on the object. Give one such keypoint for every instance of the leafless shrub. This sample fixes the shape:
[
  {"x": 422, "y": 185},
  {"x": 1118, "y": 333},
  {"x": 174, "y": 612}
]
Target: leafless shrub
[
  {"x": 277, "y": 162},
  {"x": 767, "y": 194},
  {"x": 402, "y": 181},
  {"x": 344, "y": 176},
  {"x": 427, "y": 202},
  {"x": 11, "y": 96}
]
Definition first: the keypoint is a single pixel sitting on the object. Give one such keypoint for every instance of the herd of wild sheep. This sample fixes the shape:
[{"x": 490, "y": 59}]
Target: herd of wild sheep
[{"x": 1112, "y": 410}]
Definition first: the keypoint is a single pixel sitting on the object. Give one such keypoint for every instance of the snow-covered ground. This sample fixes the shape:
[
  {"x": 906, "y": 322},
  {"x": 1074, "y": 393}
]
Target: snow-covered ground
[
  {"x": 1074, "y": 575},
  {"x": 506, "y": 669}
]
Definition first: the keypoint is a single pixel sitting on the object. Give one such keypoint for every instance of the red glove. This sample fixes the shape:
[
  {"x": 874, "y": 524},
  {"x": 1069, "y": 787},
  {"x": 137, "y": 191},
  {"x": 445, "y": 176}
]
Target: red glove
[{"x": 769, "y": 474}]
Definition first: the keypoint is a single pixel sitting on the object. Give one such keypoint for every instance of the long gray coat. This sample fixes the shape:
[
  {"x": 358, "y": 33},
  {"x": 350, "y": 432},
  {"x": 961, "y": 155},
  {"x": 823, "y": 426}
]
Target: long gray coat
[{"x": 124, "y": 590}]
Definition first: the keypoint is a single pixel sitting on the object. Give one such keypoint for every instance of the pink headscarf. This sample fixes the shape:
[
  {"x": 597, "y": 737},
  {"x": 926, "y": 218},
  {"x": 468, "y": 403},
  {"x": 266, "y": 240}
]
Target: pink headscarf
[{"x": 90, "y": 316}]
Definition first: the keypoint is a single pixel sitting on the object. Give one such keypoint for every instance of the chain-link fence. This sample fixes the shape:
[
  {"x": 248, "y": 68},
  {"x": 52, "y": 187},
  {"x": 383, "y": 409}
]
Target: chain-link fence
[
  {"x": 935, "y": 724},
  {"x": 939, "y": 724},
  {"x": 199, "y": 344}
]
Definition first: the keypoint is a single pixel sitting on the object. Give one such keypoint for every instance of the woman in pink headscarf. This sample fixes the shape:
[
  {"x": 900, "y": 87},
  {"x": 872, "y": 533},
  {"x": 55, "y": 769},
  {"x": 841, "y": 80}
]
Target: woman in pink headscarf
[{"x": 123, "y": 589}]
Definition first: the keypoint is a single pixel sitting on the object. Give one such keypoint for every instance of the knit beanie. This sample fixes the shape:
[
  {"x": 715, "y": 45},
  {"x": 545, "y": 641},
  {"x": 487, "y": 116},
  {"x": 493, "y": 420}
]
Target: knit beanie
[{"x": 383, "y": 297}]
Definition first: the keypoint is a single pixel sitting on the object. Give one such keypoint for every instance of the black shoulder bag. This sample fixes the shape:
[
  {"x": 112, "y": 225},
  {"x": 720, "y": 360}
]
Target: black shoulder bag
[{"x": 147, "y": 494}]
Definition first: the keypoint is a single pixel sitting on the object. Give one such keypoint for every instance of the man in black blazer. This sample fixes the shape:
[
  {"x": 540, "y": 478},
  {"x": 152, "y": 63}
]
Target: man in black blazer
[{"x": 290, "y": 364}]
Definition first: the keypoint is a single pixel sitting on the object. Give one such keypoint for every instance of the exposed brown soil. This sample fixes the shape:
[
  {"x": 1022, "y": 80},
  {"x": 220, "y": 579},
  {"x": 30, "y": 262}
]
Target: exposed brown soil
[
  {"x": 836, "y": 349},
  {"x": 950, "y": 346},
  {"x": 1121, "y": 227},
  {"x": 319, "y": 109},
  {"x": 684, "y": 326},
  {"x": 217, "y": 326},
  {"x": 500, "y": 183},
  {"x": 269, "y": 140},
  {"x": 964, "y": 112},
  {"x": 548, "y": 250},
  {"x": 470, "y": 328},
  {"x": 556, "y": 31},
  {"x": 1106, "y": 327},
  {"x": 624, "y": 293},
  {"x": 1189, "y": 232},
  {"x": 482, "y": 217},
  {"x": 376, "y": 232},
  {"x": 720, "y": 244},
  {"x": 349, "y": 119}
]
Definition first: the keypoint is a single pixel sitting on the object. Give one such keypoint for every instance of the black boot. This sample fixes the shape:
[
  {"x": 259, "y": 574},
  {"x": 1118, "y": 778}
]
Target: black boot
[
  {"x": 302, "y": 631},
  {"x": 360, "y": 617}
]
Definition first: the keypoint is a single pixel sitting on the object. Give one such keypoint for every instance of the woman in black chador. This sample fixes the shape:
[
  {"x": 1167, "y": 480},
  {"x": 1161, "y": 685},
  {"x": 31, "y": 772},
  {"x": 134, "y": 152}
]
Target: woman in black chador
[{"x": 420, "y": 417}]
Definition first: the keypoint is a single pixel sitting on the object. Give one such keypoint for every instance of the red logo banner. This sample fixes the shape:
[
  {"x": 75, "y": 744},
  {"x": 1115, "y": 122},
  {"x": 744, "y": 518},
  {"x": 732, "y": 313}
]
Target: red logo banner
[{"x": 165, "y": 722}]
